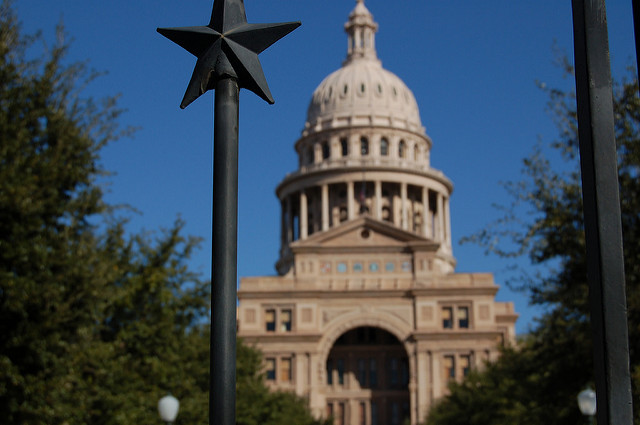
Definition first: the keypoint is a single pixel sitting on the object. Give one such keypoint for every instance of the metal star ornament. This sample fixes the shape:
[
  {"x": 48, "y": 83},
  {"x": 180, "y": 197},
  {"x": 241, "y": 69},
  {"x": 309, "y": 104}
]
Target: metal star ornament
[{"x": 228, "y": 48}]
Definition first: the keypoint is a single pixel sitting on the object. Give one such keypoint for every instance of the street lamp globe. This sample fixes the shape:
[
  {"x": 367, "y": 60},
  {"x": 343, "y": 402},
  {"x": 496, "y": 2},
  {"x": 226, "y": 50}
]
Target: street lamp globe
[
  {"x": 587, "y": 402},
  {"x": 168, "y": 408}
]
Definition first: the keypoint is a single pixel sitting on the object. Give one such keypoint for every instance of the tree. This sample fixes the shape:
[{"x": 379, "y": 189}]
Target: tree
[
  {"x": 96, "y": 324},
  {"x": 537, "y": 382}
]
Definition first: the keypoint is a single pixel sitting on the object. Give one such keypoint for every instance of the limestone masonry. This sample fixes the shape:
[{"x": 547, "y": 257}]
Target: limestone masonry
[{"x": 367, "y": 318}]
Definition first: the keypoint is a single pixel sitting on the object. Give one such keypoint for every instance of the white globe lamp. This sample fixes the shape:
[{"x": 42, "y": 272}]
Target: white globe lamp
[
  {"x": 168, "y": 408},
  {"x": 587, "y": 403}
]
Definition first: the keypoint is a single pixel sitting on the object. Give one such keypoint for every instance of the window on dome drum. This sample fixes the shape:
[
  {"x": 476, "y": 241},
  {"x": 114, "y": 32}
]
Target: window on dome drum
[
  {"x": 344, "y": 145},
  {"x": 364, "y": 146},
  {"x": 270, "y": 320},
  {"x": 270, "y": 369},
  {"x": 310, "y": 155},
  {"x": 402, "y": 148},
  {"x": 326, "y": 152},
  {"x": 384, "y": 147}
]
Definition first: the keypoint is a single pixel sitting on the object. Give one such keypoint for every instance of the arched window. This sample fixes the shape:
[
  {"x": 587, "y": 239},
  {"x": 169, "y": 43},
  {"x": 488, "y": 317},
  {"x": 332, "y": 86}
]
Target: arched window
[
  {"x": 402, "y": 149},
  {"x": 416, "y": 152},
  {"x": 325, "y": 150},
  {"x": 344, "y": 145},
  {"x": 384, "y": 147},
  {"x": 310, "y": 155},
  {"x": 364, "y": 146}
]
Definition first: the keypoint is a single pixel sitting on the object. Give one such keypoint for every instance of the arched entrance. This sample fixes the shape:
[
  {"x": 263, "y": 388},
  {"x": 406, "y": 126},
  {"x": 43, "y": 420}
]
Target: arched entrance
[{"x": 367, "y": 379}]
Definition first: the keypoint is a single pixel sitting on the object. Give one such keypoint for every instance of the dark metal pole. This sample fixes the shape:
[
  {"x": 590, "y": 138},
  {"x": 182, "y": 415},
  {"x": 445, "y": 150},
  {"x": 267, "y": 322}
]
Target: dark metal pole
[
  {"x": 636, "y": 30},
  {"x": 605, "y": 266},
  {"x": 222, "y": 394}
]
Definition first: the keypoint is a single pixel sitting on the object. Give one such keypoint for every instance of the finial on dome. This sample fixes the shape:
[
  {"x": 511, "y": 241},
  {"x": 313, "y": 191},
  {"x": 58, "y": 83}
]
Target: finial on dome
[{"x": 361, "y": 31}]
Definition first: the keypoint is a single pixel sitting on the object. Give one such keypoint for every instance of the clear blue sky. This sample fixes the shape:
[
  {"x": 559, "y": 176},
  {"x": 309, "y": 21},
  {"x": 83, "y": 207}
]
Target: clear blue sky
[{"x": 472, "y": 66}]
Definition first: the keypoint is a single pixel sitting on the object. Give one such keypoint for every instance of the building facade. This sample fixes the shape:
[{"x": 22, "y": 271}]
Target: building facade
[{"x": 367, "y": 318}]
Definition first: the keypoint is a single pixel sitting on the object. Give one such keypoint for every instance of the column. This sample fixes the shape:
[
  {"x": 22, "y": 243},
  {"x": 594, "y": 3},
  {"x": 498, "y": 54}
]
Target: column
[
  {"x": 283, "y": 224},
  {"x": 440, "y": 217},
  {"x": 350, "y": 207},
  {"x": 436, "y": 373},
  {"x": 447, "y": 223},
  {"x": 378, "y": 194},
  {"x": 325, "y": 207},
  {"x": 304, "y": 215},
  {"x": 289, "y": 220},
  {"x": 403, "y": 206},
  {"x": 298, "y": 362},
  {"x": 422, "y": 386},
  {"x": 426, "y": 220}
]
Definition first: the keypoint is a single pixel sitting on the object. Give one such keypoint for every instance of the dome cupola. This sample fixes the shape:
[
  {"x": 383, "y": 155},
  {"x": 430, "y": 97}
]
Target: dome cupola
[{"x": 362, "y": 92}]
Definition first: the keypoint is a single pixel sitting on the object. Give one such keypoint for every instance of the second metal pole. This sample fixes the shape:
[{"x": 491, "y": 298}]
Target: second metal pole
[{"x": 222, "y": 385}]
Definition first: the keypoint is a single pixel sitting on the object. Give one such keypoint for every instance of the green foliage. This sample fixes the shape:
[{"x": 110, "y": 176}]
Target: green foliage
[
  {"x": 95, "y": 325},
  {"x": 537, "y": 382}
]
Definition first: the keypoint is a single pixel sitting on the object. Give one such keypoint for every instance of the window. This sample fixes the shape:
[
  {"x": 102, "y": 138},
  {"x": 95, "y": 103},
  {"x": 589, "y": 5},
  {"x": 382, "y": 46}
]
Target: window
[
  {"x": 465, "y": 364},
  {"x": 395, "y": 413},
  {"x": 364, "y": 146},
  {"x": 447, "y": 317},
  {"x": 384, "y": 147},
  {"x": 404, "y": 369},
  {"x": 329, "y": 372},
  {"x": 310, "y": 155},
  {"x": 374, "y": 413},
  {"x": 455, "y": 317},
  {"x": 271, "y": 369},
  {"x": 416, "y": 152},
  {"x": 342, "y": 267},
  {"x": 282, "y": 317},
  {"x": 448, "y": 363},
  {"x": 373, "y": 373},
  {"x": 463, "y": 317},
  {"x": 344, "y": 145},
  {"x": 285, "y": 369},
  {"x": 285, "y": 321},
  {"x": 326, "y": 152},
  {"x": 361, "y": 413},
  {"x": 270, "y": 320},
  {"x": 340, "y": 414},
  {"x": 362, "y": 373},
  {"x": 402, "y": 149},
  {"x": 394, "y": 372},
  {"x": 329, "y": 410}
]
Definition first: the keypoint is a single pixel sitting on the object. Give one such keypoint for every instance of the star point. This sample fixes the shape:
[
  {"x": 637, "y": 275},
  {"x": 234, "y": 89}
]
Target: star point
[{"x": 228, "y": 48}]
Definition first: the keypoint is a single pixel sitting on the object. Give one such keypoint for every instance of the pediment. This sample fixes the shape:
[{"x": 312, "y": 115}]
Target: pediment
[{"x": 361, "y": 233}]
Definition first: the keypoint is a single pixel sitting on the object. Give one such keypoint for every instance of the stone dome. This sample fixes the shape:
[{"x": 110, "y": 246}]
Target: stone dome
[{"x": 362, "y": 92}]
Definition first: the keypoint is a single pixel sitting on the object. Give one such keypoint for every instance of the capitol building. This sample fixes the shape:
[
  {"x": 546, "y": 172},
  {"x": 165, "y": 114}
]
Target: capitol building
[{"x": 367, "y": 318}]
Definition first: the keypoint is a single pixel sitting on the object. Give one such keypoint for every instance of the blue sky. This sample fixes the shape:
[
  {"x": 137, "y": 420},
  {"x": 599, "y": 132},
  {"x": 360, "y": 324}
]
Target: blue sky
[{"x": 472, "y": 66}]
